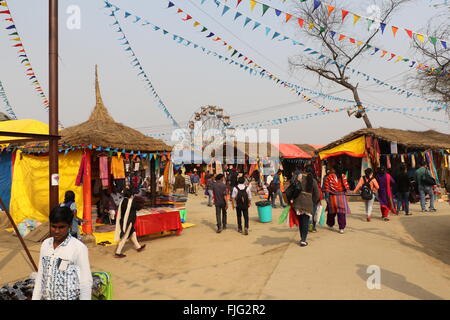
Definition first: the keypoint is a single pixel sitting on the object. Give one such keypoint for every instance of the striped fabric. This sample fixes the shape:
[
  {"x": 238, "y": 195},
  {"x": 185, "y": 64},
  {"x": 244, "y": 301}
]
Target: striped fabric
[{"x": 337, "y": 189}]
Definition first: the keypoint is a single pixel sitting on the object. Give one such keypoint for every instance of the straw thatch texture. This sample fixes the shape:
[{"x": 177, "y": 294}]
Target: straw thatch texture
[
  {"x": 102, "y": 131},
  {"x": 411, "y": 139}
]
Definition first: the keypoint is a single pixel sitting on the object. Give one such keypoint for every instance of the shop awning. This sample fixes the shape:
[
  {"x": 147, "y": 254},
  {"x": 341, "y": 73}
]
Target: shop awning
[
  {"x": 22, "y": 126},
  {"x": 291, "y": 151},
  {"x": 354, "y": 148}
]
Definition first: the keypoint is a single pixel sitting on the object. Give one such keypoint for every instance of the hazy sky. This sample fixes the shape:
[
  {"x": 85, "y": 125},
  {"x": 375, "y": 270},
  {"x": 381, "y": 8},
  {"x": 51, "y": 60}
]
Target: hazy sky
[{"x": 187, "y": 79}]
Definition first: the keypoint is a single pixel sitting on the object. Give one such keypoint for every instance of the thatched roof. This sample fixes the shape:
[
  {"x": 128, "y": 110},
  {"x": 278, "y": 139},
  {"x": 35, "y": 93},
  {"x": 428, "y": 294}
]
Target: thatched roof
[
  {"x": 411, "y": 139},
  {"x": 102, "y": 131}
]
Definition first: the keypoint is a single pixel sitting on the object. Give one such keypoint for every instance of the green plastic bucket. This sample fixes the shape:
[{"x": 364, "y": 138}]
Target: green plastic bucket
[{"x": 265, "y": 214}]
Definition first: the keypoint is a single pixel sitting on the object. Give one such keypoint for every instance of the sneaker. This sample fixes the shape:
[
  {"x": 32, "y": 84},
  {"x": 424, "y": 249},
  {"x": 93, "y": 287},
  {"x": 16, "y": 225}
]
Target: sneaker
[
  {"x": 314, "y": 230},
  {"x": 368, "y": 219},
  {"x": 303, "y": 244},
  {"x": 119, "y": 255},
  {"x": 341, "y": 231},
  {"x": 246, "y": 232},
  {"x": 385, "y": 219},
  {"x": 426, "y": 210},
  {"x": 432, "y": 210},
  {"x": 240, "y": 230},
  {"x": 219, "y": 230}
]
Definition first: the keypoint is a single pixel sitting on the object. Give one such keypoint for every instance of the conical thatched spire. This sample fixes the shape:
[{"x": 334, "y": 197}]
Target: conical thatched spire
[
  {"x": 102, "y": 131},
  {"x": 100, "y": 113}
]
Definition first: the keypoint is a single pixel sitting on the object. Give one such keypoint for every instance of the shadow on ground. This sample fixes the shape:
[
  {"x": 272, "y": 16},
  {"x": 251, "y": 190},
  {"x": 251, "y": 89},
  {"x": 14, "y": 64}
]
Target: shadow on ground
[
  {"x": 433, "y": 233},
  {"x": 398, "y": 283}
]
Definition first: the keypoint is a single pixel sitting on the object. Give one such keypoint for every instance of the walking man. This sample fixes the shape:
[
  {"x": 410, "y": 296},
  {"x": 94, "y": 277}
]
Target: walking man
[
  {"x": 425, "y": 187},
  {"x": 219, "y": 194},
  {"x": 241, "y": 198},
  {"x": 179, "y": 183},
  {"x": 195, "y": 179},
  {"x": 276, "y": 183}
]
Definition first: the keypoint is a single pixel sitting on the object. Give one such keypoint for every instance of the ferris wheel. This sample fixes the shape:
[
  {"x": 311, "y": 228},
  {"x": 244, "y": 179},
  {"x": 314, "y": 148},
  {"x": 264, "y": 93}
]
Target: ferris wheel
[{"x": 209, "y": 126}]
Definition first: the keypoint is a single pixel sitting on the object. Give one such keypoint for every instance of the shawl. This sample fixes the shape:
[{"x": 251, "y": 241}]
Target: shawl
[{"x": 122, "y": 220}]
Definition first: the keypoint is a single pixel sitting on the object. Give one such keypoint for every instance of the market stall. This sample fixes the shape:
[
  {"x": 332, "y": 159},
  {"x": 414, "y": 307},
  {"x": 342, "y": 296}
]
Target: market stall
[
  {"x": 390, "y": 148},
  {"x": 101, "y": 156}
]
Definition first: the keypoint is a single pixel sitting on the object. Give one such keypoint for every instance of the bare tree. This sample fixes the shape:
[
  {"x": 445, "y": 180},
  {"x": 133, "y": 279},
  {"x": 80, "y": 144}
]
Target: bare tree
[
  {"x": 341, "y": 54},
  {"x": 434, "y": 80}
]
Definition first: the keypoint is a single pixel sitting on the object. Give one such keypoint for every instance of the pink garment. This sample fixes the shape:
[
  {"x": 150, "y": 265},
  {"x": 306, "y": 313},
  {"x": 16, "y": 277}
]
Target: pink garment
[{"x": 104, "y": 173}]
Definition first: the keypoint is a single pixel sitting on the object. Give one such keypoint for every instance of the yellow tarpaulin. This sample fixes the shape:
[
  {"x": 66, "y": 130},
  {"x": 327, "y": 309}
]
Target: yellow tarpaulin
[
  {"x": 30, "y": 185},
  {"x": 22, "y": 126},
  {"x": 353, "y": 148}
]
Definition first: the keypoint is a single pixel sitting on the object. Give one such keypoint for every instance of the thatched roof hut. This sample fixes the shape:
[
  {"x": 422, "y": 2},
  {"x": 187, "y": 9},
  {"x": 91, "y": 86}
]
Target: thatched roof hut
[
  {"x": 409, "y": 139},
  {"x": 101, "y": 130}
]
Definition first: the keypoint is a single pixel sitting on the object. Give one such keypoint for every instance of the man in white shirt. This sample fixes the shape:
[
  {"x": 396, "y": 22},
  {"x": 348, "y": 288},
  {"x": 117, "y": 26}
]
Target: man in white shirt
[
  {"x": 241, "y": 199},
  {"x": 64, "y": 272}
]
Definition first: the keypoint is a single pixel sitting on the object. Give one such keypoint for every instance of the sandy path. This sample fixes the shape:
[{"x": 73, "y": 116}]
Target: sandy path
[{"x": 412, "y": 252}]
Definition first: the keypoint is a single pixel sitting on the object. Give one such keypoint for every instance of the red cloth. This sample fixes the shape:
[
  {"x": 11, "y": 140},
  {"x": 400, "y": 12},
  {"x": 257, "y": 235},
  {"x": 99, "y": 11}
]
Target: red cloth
[
  {"x": 81, "y": 171},
  {"x": 291, "y": 151},
  {"x": 158, "y": 222},
  {"x": 293, "y": 218}
]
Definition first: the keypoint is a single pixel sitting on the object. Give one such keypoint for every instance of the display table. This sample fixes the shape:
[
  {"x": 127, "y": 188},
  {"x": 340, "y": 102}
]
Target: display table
[{"x": 155, "y": 222}]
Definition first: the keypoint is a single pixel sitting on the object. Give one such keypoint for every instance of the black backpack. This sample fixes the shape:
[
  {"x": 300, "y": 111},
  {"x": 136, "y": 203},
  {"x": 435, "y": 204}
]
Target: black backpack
[
  {"x": 428, "y": 180},
  {"x": 366, "y": 190},
  {"x": 242, "y": 198}
]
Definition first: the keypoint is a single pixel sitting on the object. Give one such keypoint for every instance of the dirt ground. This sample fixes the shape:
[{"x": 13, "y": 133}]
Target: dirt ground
[{"x": 412, "y": 252}]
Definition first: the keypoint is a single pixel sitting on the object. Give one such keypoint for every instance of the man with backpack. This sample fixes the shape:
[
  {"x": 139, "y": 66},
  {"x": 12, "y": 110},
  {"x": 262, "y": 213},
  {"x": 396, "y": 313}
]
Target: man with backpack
[
  {"x": 232, "y": 178},
  {"x": 425, "y": 183},
  {"x": 369, "y": 187},
  {"x": 241, "y": 199}
]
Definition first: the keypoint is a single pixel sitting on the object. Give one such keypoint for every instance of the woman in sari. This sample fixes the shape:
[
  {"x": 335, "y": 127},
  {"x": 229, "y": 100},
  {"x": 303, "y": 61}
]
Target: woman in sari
[
  {"x": 125, "y": 221},
  {"x": 336, "y": 188},
  {"x": 385, "y": 195}
]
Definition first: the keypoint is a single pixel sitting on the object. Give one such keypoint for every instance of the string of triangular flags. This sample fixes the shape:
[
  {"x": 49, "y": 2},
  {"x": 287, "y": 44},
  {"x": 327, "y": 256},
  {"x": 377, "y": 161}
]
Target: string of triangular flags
[
  {"x": 382, "y": 26},
  {"x": 66, "y": 148},
  {"x": 311, "y": 51},
  {"x": 137, "y": 64},
  {"x": 6, "y": 104},
  {"x": 341, "y": 37},
  {"x": 263, "y": 73},
  {"x": 24, "y": 59},
  {"x": 280, "y": 121}
]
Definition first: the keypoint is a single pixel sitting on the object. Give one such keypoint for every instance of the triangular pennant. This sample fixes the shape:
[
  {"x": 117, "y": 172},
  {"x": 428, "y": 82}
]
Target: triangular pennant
[
  {"x": 225, "y": 9},
  {"x": 394, "y": 30},
  {"x": 276, "y": 34},
  {"x": 265, "y": 7},
  {"x": 409, "y": 32},
  {"x": 330, "y": 9},
  {"x": 344, "y": 14},
  {"x": 342, "y": 37},
  {"x": 238, "y": 2},
  {"x": 317, "y": 3},
  {"x": 301, "y": 22},
  {"x": 247, "y": 20},
  {"x": 252, "y": 4},
  {"x": 257, "y": 24},
  {"x": 356, "y": 18},
  {"x": 444, "y": 44},
  {"x": 433, "y": 40},
  {"x": 382, "y": 26},
  {"x": 267, "y": 31},
  {"x": 288, "y": 17},
  {"x": 170, "y": 4},
  {"x": 277, "y": 12},
  {"x": 237, "y": 15},
  {"x": 332, "y": 34},
  {"x": 311, "y": 25},
  {"x": 420, "y": 37}
]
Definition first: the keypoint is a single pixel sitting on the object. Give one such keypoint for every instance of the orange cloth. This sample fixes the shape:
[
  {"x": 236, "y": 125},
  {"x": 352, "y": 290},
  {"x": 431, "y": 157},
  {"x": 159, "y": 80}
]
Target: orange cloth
[{"x": 117, "y": 168}]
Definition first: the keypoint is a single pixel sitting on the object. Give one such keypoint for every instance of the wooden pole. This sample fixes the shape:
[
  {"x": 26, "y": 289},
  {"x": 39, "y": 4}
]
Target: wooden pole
[
  {"x": 18, "y": 235},
  {"x": 53, "y": 104}
]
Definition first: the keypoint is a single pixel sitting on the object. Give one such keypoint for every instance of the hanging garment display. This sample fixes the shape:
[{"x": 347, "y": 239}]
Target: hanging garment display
[
  {"x": 136, "y": 166},
  {"x": 117, "y": 168},
  {"x": 104, "y": 172}
]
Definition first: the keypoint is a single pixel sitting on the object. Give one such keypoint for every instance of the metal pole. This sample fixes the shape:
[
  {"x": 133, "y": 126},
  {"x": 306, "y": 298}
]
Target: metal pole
[
  {"x": 18, "y": 235},
  {"x": 53, "y": 105}
]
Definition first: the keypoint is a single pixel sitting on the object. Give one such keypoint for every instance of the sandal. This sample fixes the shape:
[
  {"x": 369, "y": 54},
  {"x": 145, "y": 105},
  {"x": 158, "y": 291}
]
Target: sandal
[
  {"x": 141, "y": 248},
  {"x": 119, "y": 255}
]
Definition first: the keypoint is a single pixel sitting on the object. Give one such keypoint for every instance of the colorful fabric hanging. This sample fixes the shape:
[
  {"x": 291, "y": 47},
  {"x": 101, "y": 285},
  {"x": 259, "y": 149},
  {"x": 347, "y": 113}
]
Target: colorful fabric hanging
[
  {"x": 388, "y": 162},
  {"x": 104, "y": 172},
  {"x": 117, "y": 168},
  {"x": 413, "y": 161}
]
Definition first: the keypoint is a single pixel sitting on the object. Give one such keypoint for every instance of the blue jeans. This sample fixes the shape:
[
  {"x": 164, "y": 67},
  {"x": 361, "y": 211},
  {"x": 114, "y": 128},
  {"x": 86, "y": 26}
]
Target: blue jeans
[
  {"x": 274, "y": 197},
  {"x": 403, "y": 199},
  {"x": 423, "y": 191}
]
